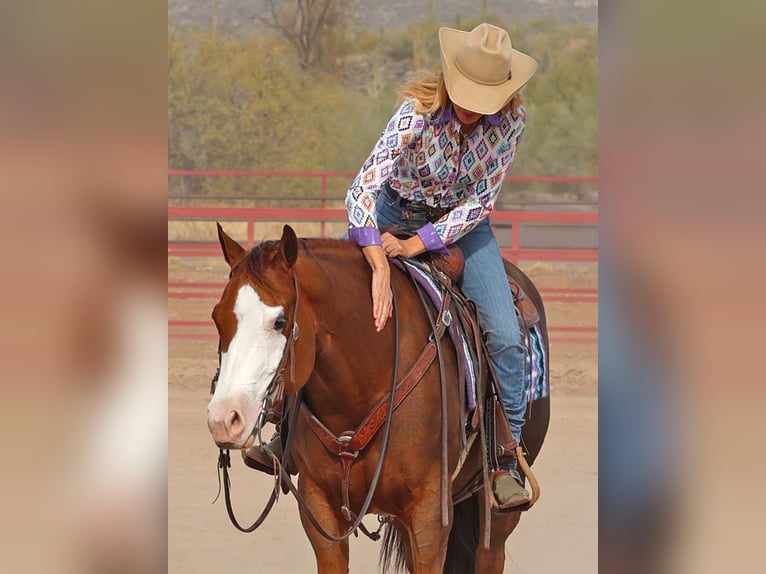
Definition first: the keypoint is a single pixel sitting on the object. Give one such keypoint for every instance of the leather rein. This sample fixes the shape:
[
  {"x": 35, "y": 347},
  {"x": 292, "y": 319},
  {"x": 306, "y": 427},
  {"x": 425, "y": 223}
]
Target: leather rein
[
  {"x": 274, "y": 390},
  {"x": 349, "y": 444}
]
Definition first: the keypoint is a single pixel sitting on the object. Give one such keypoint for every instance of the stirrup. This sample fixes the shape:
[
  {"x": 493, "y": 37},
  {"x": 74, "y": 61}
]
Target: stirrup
[
  {"x": 521, "y": 497},
  {"x": 533, "y": 484},
  {"x": 258, "y": 458}
]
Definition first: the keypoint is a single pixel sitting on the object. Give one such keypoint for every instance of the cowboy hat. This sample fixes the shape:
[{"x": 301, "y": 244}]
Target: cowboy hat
[{"x": 481, "y": 69}]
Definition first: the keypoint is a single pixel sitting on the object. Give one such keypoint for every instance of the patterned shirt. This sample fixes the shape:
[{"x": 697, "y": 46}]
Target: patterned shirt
[{"x": 425, "y": 159}]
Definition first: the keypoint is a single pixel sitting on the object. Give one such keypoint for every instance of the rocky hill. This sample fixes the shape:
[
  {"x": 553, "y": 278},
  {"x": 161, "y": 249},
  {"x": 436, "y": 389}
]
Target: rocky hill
[{"x": 243, "y": 16}]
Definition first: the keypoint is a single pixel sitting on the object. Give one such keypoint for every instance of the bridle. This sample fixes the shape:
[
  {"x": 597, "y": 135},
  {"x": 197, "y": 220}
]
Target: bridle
[
  {"x": 275, "y": 391},
  {"x": 276, "y": 387}
]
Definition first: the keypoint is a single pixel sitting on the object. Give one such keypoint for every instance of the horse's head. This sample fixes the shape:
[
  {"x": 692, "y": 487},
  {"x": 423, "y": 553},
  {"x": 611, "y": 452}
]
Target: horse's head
[{"x": 255, "y": 320}]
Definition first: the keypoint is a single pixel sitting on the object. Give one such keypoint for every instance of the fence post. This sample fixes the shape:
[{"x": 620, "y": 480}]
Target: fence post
[
  {"x": 250, "y": 232},
  {"x": 323, "y": 203},
  {"x": 515, "y": 240}
]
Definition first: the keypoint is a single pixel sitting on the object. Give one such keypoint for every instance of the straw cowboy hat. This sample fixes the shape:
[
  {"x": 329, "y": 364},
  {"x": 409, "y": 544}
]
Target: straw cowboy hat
[{"x": 481, "y": 69}]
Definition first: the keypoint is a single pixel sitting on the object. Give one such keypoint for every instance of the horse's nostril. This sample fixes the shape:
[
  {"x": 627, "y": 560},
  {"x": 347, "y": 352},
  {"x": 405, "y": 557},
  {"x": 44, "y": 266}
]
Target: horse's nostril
[{"x": 234, "y": 423}]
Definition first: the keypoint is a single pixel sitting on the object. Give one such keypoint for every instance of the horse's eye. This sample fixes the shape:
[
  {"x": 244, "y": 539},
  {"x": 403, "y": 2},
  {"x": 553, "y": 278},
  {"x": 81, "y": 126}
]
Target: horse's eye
[
  {"x": 214, "y": 382},
  {"x": 280, "y": 323}
]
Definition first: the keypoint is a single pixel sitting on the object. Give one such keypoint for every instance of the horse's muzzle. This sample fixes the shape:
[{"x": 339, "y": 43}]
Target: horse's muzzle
[{"x": 229, "y": 425}]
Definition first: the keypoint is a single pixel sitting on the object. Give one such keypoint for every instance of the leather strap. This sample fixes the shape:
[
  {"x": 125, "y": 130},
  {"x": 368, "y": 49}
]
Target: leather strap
[
  {"x": 375, "y": 419},
  {"x": 507, "y": 451},
  {"x": 349, "y": 444},
  {"x": 346, "y": 460},
  {"x": 444, "y": 502}
]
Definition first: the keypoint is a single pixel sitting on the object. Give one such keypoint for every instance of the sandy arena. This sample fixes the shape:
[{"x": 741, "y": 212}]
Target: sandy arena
[{"x": 558, "y": 535}]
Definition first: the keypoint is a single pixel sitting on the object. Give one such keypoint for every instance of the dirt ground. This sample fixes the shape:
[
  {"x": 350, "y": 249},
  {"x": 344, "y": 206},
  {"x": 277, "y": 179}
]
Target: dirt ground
[{"x": 558, "y": 535}]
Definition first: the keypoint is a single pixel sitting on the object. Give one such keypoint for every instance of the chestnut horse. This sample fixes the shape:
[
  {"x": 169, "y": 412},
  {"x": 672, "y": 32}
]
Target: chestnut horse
[{"x": 345, "y": 368}]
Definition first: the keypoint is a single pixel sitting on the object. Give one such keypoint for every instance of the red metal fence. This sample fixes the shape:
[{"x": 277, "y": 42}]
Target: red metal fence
[
  {"x": 253, "y": 216},
  {"x": 203, "y": 329}
]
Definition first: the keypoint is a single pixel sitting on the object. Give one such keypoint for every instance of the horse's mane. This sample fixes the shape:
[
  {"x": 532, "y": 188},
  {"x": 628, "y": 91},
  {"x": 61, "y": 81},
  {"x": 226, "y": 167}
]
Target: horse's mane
[{"x": 260, "y": 258}]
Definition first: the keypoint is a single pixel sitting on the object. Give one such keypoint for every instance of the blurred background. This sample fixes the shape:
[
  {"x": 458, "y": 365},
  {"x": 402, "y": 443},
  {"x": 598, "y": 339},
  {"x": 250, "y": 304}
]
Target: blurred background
[
  {"x": 248, "y": 88},
  {"x": 83, "y": 414},
  {"x": 98, "y": 101},
  {"x": 681, "y": 286},
  {"x": 273, "y": 106}
]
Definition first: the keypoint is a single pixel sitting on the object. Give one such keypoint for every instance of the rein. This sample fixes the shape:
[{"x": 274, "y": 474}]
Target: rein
[
  {"x": 273, "y": 391},
  {"x": 443, "y": 320},
  {"x": 357, "y": 523},
  {"x": 224, "y": 460},
  {"x": 350, "y": 444}
]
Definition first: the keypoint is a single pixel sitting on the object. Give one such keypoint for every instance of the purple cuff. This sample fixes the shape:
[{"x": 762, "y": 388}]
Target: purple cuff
[
  {"x": 431, "y": 239},
  {"x": 364, "y": 236}
]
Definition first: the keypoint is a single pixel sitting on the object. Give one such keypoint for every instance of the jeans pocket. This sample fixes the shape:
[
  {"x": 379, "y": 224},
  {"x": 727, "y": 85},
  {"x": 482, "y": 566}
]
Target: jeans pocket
[
  {"x": 389, "y": 196},
  {"x": 388, "y": 210}
]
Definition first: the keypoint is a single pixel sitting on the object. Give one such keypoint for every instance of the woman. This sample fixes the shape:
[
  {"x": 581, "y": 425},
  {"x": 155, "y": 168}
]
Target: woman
[{"x": 446, "y": 152}]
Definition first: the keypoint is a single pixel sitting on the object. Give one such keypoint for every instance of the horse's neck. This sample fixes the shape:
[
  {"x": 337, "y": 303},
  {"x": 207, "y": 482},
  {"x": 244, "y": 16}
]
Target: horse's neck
[{"x": 337, "y": 287}]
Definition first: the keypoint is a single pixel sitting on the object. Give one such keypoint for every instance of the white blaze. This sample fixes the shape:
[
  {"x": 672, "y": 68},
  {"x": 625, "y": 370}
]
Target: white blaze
[{"x": 254, "y": 353}]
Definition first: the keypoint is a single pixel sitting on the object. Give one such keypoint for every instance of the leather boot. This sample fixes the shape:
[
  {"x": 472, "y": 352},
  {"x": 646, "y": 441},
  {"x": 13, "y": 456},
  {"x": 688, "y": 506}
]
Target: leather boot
[
  {"x": 256, "y": 456},
  {"x": 508, "y": 489}
]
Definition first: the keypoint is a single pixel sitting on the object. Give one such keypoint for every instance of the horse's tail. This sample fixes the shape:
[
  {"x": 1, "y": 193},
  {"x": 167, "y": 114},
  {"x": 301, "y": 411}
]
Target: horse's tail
[
  {"x": 463, "y": 538},
  {"x": 392, "y": 550}
]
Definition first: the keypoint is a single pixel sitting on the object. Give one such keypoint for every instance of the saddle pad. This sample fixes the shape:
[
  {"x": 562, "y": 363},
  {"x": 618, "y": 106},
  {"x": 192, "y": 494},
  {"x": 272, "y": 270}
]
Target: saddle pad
[
  {"x": 536, "y": 381},
  {"x": 536, "y": 384},
  {"x": 435, "y": 292}
]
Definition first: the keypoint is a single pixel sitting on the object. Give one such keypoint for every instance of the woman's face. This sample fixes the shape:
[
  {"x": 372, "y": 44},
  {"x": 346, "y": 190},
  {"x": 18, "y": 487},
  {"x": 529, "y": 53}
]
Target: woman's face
[{"x": 466, "y": 117}]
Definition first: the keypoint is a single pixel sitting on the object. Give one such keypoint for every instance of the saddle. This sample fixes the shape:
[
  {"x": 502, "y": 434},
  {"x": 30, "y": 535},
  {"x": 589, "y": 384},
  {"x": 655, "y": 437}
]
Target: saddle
[
  {"x": 490, "y": 419},
  {"x": 414, "y": 216},
  {"x": 452, "y": 264}
]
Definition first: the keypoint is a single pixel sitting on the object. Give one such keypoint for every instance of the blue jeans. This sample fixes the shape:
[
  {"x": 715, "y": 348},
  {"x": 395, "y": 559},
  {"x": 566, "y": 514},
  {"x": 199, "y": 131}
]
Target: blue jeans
[{"x": 484, "y": 282}]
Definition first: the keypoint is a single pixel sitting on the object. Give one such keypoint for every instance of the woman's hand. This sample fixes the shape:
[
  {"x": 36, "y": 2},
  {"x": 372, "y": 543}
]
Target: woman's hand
[
  {"x": 394, "y": 247},
  {"x": 382, "y": 298}
]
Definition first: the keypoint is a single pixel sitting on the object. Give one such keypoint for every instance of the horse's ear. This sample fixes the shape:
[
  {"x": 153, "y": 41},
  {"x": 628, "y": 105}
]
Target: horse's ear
[
  {"x": 232, "y": 250},
  {"x": 288, "y": 246}
]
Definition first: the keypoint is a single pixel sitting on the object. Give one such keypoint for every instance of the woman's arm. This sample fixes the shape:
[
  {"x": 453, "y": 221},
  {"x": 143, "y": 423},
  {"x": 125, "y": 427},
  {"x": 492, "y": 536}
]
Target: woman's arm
[
  {"x": 382, "y": 298},
  {"x": 402, "y": 130}
]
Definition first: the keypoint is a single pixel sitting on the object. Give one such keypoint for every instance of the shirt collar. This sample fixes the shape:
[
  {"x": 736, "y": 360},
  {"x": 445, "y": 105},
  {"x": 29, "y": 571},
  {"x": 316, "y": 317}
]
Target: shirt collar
[{"x": 448, "y": 114}]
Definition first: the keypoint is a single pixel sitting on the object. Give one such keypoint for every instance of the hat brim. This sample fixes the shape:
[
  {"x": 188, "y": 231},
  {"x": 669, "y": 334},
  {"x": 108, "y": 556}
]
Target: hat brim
[{"x": 475, "y": 97}]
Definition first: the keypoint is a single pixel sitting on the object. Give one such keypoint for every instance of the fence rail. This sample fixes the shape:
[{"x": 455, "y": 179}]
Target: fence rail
[
  {"x": 197, "y": 290},
  {"x": 339, "y": 174},
  {"x": 211, "y": 290},
  {"x": 254, "y": 216},
  {"x": 210, "y": 334}
]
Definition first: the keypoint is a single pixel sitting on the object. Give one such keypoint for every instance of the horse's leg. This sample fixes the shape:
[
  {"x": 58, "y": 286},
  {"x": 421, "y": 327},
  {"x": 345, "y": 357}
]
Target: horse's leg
[
  {"x": 492, "y": 561},
  {"x": 332, "y": 557},
  {"x": 428, "y": 538}
]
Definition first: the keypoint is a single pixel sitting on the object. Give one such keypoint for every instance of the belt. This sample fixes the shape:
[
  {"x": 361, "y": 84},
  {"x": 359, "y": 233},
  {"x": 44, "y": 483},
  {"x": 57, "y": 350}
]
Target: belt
[
  {"x": 393, "y": 194},
  {"x": 417, "y": 211}
]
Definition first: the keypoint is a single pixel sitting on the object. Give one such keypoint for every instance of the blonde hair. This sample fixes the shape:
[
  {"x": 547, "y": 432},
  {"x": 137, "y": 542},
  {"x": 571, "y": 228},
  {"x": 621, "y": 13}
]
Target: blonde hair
[{"x": 429, "y": 93}]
